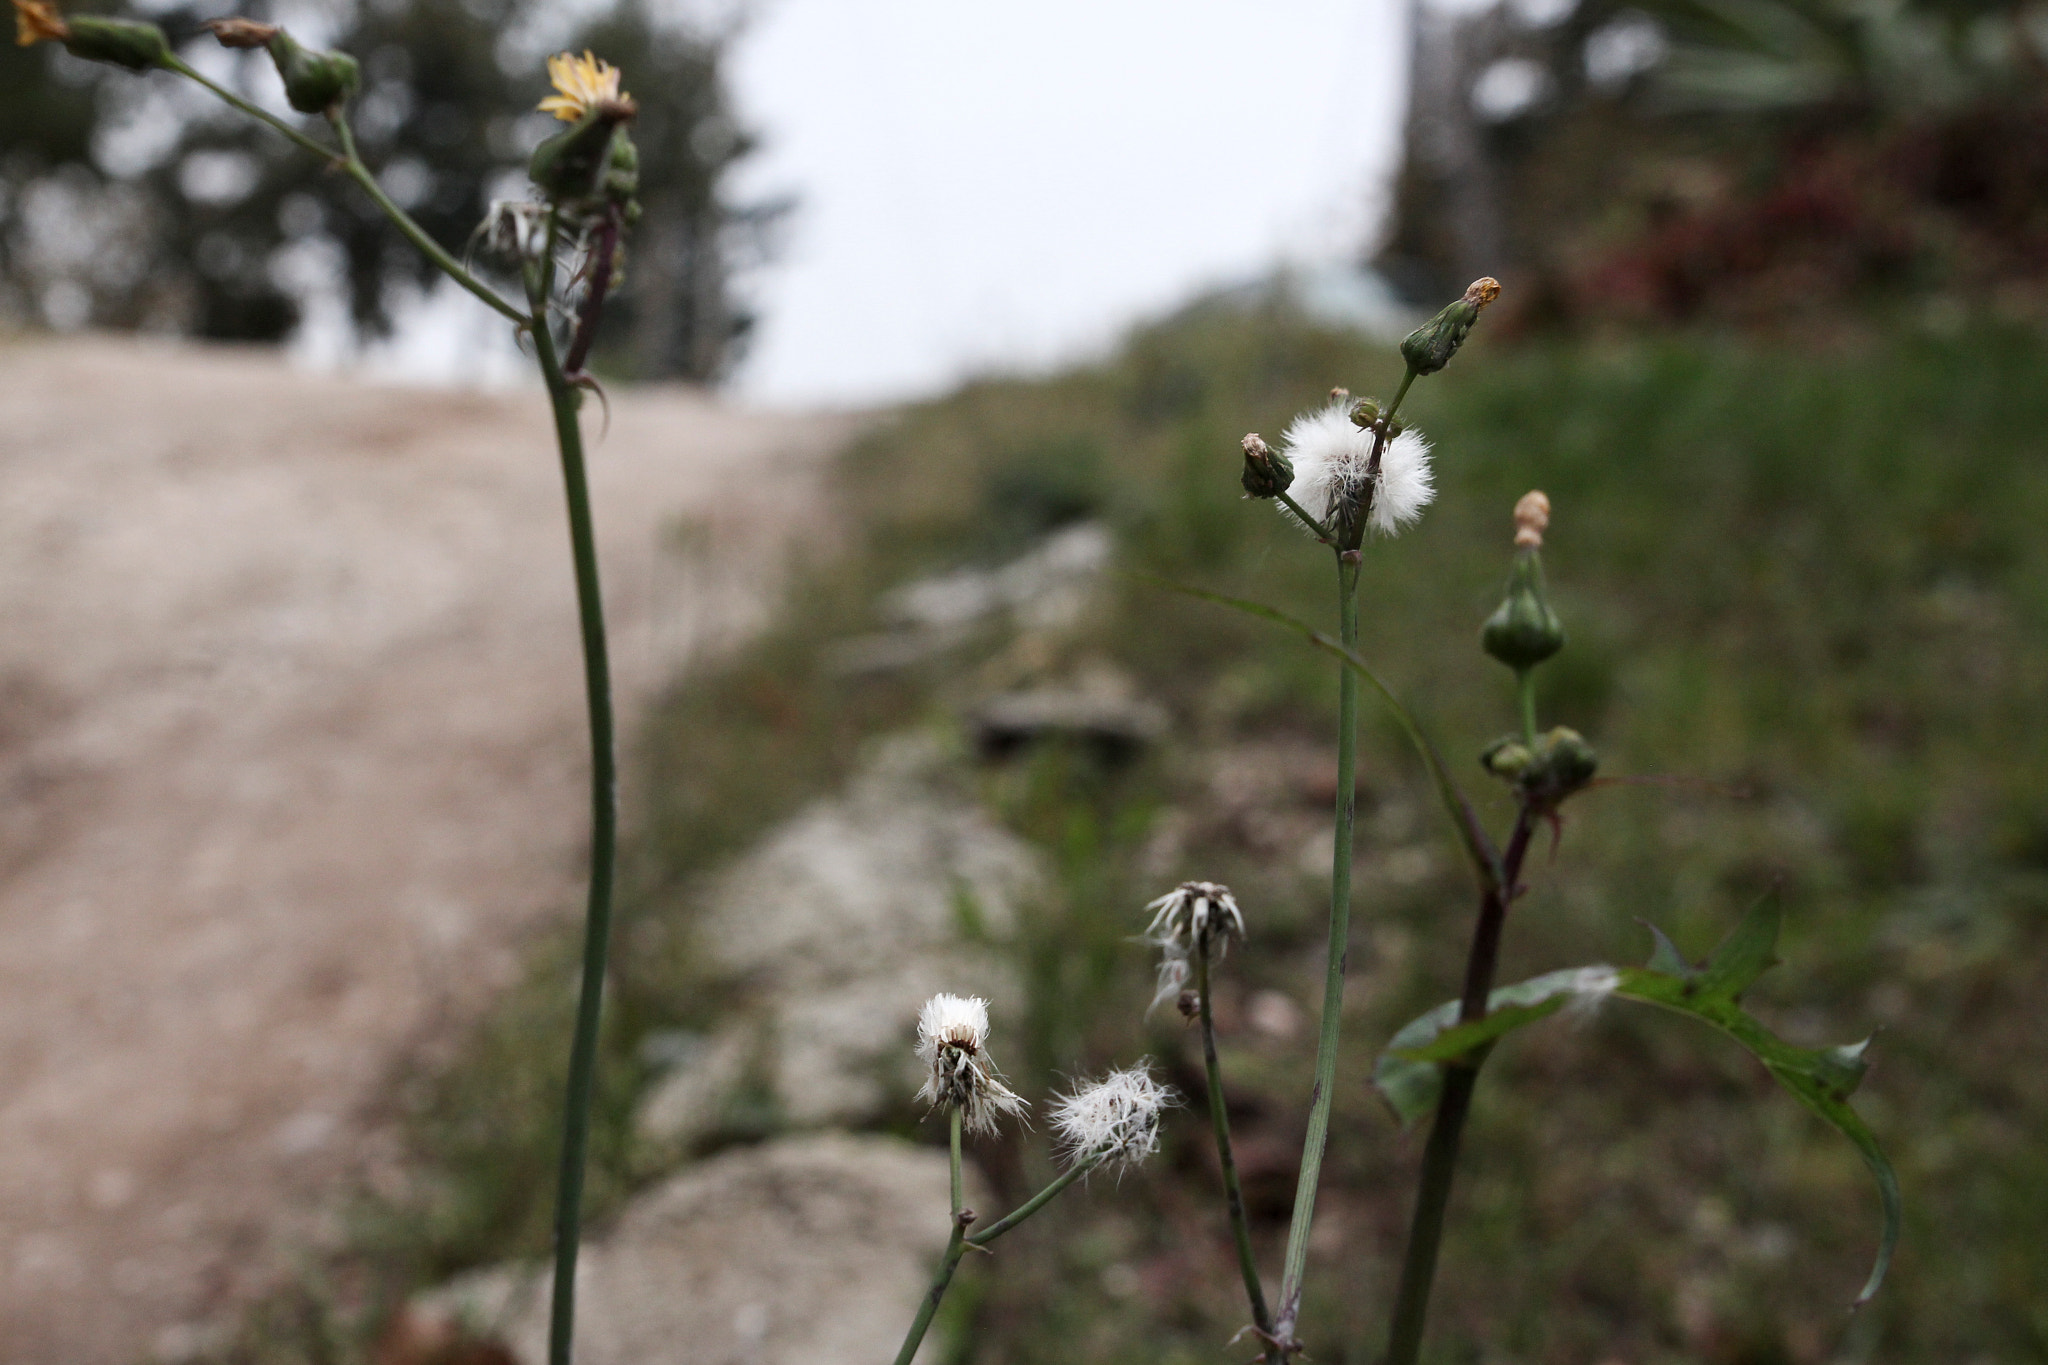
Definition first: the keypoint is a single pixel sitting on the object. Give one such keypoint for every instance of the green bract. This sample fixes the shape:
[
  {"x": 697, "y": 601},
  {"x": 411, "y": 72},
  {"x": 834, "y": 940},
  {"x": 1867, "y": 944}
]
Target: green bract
[
  {"x": 123, "y": 42},
  {"x": 1523, "y": 630},
  {"x": 314, "y": 81}
]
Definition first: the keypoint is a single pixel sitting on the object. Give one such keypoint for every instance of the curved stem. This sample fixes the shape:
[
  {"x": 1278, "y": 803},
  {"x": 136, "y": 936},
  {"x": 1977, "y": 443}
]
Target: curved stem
[
  {"x": 414, "y": 233},
  {"x": 1447, "y": 1129},
  {"x": 1033, "y": 1204},
  {"x": 325, "y": 153},
  {"x": 1333, "y": 979},
  {"x": 1219, "y": 1121},
  {"x": 1323, "y": 533},
  {"x": 604, "y": 809}
]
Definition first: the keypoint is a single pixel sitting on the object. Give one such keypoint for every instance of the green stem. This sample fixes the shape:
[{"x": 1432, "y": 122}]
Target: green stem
[
  {"x": 414, "y": 233},
  {"x": 253, "y": 111},
  {"x": 1323, "y": 533},
  {"x": 1034, "y": 1203},
  {"x": 1525, "y": 686},
  {"x": 1399, "y": 394},
  {"x": 1219, "y": 1121},
  {"x": 604, "y": 809},
  {"x": 1447, "y": 1129},
  {"x": 943, "y": 1276},
  {"x": 1324, "y": 1094}
]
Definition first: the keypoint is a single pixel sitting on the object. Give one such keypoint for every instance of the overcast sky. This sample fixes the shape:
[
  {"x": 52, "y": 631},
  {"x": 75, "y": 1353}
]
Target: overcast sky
[{"x": 986, "y": 185}]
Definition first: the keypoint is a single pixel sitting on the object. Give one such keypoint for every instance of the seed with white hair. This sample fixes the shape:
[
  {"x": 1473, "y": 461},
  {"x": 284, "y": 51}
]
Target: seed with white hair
[
  {"x": 952, "y": 1042},
  {"x": 1113, "y": 1120},
  {"x": 1332, "y": 457}
]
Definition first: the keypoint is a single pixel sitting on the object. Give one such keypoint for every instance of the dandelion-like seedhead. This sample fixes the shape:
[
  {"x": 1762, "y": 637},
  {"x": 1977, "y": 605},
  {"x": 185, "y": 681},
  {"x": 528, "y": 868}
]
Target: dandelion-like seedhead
[
  {"x": 1332, "y": 455},
  {"x": 1113, "y": 1120},
  {"x": 1193, "y": 917},
  {"x": 952, "y": 1042},
  {"x": 581, "y": 84},
  {"x": 516, "y": 230}
]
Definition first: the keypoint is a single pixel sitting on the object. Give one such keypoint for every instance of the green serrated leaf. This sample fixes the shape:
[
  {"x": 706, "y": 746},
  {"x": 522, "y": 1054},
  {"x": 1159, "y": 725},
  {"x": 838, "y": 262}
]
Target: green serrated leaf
[
  {"x": 1478, "y": 844},
  {"x": 1750, "y": 950},
  {"x": 1409, "y": 1073},
  {"x": 1664, "y": 955},
  {"x": 1822, "y": 1079}
]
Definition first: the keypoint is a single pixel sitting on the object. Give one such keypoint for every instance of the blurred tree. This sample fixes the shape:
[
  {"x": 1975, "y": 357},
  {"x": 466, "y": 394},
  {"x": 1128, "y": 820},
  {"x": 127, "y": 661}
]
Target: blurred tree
[
  {"x": 132, "y": 203},
  {"x": 1745, "y": 159}
]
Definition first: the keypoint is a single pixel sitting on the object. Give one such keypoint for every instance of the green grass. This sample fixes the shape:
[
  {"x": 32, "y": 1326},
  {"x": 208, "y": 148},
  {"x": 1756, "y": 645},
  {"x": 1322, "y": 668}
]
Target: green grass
[{"x": 1818, "y": 576}]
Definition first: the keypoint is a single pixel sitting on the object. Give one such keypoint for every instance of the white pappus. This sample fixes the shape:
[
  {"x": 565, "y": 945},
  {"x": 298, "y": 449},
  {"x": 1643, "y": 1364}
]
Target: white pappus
[
  {"x": 1114, "y": 1120},
  {"x": 952, "y": 1042},
  {"x": 1331, "y": 454}
]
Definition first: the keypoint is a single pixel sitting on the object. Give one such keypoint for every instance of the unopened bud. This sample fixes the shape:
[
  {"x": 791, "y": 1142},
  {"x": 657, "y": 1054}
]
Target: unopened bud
[
  {"x": 1364, "y": 413},
  {"x": 242, "y": 33},
  {"x": 622, "y": 174},
  {"x": 1267, "y": 473},
  {"x": 1430, "y": 347},
  {"x": 1557, "y": 765},
  {"x": 1507, "y": 758},
  {"x": 574, "y": 163},
  {"x": 314, "y": 81},
  {"x": 122, "y": 42},
  {"x": 1532, "y": 519},
  {"x": 1523, "y": 631},
  {"x": 1339, "y": 393}
]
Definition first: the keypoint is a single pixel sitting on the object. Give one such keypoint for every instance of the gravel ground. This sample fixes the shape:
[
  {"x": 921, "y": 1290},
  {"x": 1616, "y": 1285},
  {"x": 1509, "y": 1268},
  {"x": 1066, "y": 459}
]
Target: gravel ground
[{"x": 291, "y": 753}]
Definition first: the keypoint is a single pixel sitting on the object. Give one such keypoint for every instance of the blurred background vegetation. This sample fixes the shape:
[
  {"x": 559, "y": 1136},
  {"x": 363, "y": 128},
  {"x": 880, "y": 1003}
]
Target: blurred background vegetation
[
  {"x": 147, "y": 205},
  {"x": 1811, "y": 574},
  {"x": 1771, "y": 343}
]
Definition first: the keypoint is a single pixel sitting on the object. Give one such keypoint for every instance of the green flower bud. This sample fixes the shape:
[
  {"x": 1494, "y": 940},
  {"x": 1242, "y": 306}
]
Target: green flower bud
[
  {"x": 1561, "y": 764},
  {"x": 138, "y": 47},
  {"x": 622, "y": 175},
  {"x": 1364, "y": 413},
  {"x": 1506, "y": 757},
  {"x": 1430, "y": 347},
  {"x": 1267, "y": 474},
  {"x": 314, "y": 81},
  {"x": 576, "y": 163},
  {"x": 1523, "y": 631}
]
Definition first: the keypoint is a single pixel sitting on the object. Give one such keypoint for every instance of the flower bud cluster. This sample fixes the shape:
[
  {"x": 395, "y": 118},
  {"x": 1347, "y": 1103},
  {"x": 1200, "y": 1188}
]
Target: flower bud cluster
[{"x": 1558, "y": 764}]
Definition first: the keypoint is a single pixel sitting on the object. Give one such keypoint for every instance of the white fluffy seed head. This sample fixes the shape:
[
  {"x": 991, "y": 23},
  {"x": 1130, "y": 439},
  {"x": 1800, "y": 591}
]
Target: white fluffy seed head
[
  {"x": 1331, "y": 454},
  {"x": 952, "y": 1042},
  {"x": 1114, "y": 1120}
]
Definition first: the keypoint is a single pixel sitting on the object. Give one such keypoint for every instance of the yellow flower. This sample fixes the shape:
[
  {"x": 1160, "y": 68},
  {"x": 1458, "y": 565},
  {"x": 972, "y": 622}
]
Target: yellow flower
[
  {"x": 583, "y": 82},
  {"x": 35, "y": 20}
]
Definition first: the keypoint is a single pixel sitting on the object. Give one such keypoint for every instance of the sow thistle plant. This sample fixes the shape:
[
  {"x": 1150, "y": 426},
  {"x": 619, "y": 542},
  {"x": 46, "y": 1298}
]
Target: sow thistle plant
[
  {"x": 566, "y": 246},
  {"x": 1345, "y": 470}
]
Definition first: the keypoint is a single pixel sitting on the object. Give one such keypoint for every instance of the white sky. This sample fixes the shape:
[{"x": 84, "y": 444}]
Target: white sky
[{"x": 986, "y": 185}]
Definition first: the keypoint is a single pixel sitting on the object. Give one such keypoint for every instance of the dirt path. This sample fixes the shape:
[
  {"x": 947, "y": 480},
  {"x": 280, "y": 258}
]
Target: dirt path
[{"x": 290, "y": 756}]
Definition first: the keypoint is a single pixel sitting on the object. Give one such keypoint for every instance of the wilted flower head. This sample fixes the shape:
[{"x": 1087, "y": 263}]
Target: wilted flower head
[
  {"x": 36, "y": 21},
  {"x": 1115, "y": 1119},
  {"x": 581, "y": 84},
  {"x": 1332, "y": 455},
  {"x": 1532, "y": 519},
  {"x": 952, "y": 1042},
  {"x": 1193, "y": 917}
]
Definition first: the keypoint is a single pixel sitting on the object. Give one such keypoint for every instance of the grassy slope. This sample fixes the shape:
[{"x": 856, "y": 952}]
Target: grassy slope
[{"x": 1820, "y": 576}]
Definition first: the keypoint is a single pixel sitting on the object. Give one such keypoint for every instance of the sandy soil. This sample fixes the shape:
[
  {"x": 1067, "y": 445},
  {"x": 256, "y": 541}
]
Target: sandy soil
[{"x": 290, "y": 759}]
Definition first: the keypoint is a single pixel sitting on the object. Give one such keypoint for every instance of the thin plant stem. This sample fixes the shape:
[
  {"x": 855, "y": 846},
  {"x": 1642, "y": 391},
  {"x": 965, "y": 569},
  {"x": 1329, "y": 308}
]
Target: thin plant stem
[
  {"x": 1525, "y": 687},
  {"x": 1324, "y": 1094},
  {"x": 1323, "y": 533},
  {"x": 1219, "y": 1121},
  {"x": 604, "y": 814},
  {"x": 414, "y": 233},
  {"x": 1033, "y": 1204},
  {"x": 1447, "y": 1129},
  {"x": 254, "y": 111},
  {"x": 1399, "y": 394},
  {"x": 955, "y": 1249}
]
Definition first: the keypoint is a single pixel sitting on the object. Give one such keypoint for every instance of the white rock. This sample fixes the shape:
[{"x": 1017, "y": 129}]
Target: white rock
[{"x": 804, "y": 1251}]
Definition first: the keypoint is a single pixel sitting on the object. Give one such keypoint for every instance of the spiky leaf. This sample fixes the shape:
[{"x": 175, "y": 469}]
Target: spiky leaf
[{"x": 1409, "y": 1073}]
